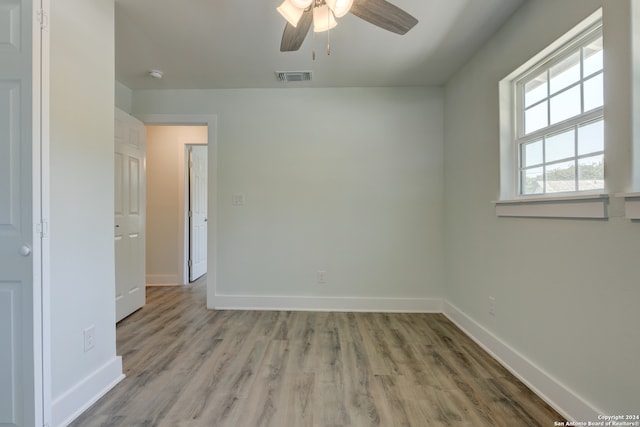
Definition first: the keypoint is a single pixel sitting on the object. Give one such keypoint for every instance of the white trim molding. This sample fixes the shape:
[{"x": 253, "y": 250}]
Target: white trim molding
[
  {"x": 162, "y": 280},
  {"x": 631, "y": 205},
  {"x": 592, "y": 206},
  {"x": 566, "y": 402},
  {"x": 80, "y": 397},
  {"x": 301, "y": 303},
  {"x": 211, "y": 121}
]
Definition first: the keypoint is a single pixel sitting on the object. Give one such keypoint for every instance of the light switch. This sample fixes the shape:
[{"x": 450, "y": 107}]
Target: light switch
[{"x": 237, "y": 199}]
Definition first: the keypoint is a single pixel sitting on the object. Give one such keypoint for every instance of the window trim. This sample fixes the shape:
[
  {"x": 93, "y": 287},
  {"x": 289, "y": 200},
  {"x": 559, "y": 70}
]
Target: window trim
[
  {"x": 578, "y": 204},
  {"x": 584, "y": 206}
]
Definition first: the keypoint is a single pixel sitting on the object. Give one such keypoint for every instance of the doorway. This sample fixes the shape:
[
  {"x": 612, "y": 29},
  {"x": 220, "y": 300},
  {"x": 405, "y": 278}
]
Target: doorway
[{"x": 175, "y": 231}]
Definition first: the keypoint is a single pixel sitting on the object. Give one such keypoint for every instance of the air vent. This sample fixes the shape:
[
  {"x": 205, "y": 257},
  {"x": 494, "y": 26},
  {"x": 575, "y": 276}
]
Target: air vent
[{"x": 293, "y": 76}]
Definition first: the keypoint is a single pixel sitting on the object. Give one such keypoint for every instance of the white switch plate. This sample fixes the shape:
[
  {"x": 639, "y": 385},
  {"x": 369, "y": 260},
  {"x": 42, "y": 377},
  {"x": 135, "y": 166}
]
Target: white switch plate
[
  {"x": 237, "y": 199},
  {"x": 322, "y": 277}
]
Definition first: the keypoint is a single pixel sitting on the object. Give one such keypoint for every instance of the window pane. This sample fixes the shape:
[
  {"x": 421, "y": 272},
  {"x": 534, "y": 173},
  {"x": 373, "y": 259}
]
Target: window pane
[
  {"x": 565, "y": 105},
  {"x": 532, "y": 153},
  {"x": 535, "y": 90},
  {"x": 560, "y": 125},
  {"x": 561, "y": 177},
  {"x": 535, "y": 118},
  {"x": 565, "y": 73},
  {"x": 532, "y": 181},
  {"x": 560, "y": 146},
  {"x": 591, "y": 173},
  {"x": 592, "y": 57},
  {"x": 593, "y": 93},
  {"x": 591, "y": 138}
]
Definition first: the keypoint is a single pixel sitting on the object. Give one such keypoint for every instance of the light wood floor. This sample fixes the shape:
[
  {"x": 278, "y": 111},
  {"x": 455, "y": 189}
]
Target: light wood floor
[{"x": 188, "y": 366}]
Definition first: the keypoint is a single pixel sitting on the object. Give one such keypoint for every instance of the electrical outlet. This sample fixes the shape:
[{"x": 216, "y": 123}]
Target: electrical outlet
[
  {"x": 492, "y": 306},
  {"x": 89, "y": 338},
  {"x": 322, "y": 277}
]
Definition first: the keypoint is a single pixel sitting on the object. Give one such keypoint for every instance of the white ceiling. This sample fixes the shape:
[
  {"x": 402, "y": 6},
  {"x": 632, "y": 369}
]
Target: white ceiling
[{"x": 215, "y": 44}]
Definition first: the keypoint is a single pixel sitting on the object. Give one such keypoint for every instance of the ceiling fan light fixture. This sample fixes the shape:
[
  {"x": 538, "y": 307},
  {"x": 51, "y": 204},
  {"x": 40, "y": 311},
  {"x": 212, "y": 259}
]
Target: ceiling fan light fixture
[
  {"x": 302, "y": 4},
  {"x": 340, "y": 7},
  {"x": 323, "y": 19},
  {"x": 290, "y": 12}
]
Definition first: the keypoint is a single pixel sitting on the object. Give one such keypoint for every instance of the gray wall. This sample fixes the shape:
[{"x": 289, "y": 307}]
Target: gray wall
[
  {"x": 123, "y": 97},
  {"x": 348, "y": 181},
  {"x": 82, "y": 188},
  {"x": 566, "y": 291}
]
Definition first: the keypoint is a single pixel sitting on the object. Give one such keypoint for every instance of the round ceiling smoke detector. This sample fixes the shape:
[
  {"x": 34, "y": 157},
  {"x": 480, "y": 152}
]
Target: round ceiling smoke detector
[{"x": 156, "y": 74}]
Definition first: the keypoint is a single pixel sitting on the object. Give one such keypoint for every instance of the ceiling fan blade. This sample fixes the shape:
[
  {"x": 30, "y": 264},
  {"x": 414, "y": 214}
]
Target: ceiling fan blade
[
  {"x": 292, "y": 37},
  {"x": 384, "y": 15}
]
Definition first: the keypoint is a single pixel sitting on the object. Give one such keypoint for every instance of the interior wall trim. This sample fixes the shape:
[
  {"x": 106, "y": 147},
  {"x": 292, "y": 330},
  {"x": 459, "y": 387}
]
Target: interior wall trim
[
  {"x": 548, "y": 388},
  {"x": 80, "y": 397},
  {"x": 302, "y": 303},
  {"x": 162, "y": 280}
]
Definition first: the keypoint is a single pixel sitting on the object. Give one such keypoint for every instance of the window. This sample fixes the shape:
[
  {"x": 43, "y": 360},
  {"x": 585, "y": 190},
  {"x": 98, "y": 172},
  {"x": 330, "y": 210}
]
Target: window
[{"x": 559, "y": 124}]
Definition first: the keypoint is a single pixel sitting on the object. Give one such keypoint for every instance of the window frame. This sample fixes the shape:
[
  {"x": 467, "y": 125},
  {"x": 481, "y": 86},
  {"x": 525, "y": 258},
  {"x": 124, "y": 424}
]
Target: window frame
[
  {"x": 576, "y": 205},
  {"x": 574, "y": 45}
]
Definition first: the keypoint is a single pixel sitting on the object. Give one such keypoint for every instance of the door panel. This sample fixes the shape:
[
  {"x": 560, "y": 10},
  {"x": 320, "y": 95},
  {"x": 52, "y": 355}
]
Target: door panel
[
  {"x": 134, "y": 188},
  {"x": 119, "y": 229},
  {"x": 17, "y": 353},
  {"x": 10, "y": 360},
  {"x": 10, "y": 166},
  {"x": 129, "y": 213},
  {"x": 198, "y": 209}
]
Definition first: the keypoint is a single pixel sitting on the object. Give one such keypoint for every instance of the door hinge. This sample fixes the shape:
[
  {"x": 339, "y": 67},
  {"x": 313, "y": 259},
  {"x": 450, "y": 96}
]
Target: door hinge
[
  {"x": 190, "y": 214},
  {"x": 43, "y": 19},
  {"x": 190, "y": 263},
  {"x": 42, "y": 229}
]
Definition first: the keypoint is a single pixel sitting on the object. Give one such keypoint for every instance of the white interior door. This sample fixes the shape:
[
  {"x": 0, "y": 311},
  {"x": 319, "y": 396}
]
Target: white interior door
[
  {"x": 197, "y": 211},
  {"x": 129, "y": 218},
  {"x": 18, "y": 361}
]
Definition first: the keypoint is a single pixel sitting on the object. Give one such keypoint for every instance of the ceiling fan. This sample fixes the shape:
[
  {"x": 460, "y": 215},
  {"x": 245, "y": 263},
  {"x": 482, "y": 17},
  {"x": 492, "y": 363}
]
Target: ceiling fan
[{"x": 300, "y": 14}]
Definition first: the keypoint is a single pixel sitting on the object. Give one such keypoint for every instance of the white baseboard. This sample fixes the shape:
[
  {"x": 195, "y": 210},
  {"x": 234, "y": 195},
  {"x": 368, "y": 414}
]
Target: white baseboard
[
  {"x": 80, "y": 397},
  {"x": 162, "y": 280},
  {"x": 390, "y": 305},
  {"x": 563, "y": 400}
]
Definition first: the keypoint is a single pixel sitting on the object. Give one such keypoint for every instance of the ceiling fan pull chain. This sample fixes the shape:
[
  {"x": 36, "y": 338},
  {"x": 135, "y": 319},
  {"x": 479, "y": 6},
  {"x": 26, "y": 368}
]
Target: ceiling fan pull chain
[
  {"x": 313, "y": 48},
  {"x": 329, "y": 33}
]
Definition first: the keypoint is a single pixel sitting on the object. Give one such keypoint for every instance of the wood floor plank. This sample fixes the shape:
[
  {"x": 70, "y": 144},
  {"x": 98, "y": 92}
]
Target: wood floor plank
[{"x": 187, "y": 366}]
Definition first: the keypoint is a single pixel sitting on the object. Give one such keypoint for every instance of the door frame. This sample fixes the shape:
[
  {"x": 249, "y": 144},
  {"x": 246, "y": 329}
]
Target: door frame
[
  {"x": 211, "y": 121},
  {"x": 41, "y": 196}
]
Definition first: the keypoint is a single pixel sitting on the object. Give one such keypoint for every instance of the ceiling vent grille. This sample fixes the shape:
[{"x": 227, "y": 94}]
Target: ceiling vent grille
[{"x": 293, "y": 76}]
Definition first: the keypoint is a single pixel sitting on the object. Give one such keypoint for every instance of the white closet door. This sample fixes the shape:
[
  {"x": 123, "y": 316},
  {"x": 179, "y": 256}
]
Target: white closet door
[
  {"x": 18, "y": 361},
  {"x": 129, "y": 224}
]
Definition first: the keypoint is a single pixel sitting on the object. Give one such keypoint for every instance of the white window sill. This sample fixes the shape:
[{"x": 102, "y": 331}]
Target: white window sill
[
  {"x": 583, "y": 206},
  {"x": 631, "y": 205}
]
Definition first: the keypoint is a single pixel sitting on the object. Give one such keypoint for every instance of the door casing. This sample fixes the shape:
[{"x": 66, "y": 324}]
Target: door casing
[{"x": 211, "y": 121}]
